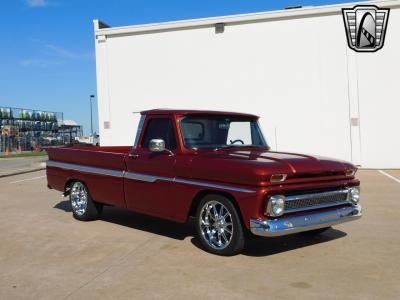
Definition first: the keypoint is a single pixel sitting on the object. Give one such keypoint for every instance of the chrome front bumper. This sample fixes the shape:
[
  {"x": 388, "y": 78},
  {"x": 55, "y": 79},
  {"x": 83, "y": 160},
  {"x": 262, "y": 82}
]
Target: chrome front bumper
[{"x": 313, "y": 220}]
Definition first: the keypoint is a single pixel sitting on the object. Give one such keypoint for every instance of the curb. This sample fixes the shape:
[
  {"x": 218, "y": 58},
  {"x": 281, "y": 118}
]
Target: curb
[
  {"x": 41, "y": 166},
  {"x": 22, "y": 172}
]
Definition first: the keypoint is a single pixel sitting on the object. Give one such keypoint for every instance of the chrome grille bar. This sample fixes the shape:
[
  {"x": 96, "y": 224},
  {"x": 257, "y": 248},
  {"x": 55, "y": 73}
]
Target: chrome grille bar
[{"x": 316, "y": 200}]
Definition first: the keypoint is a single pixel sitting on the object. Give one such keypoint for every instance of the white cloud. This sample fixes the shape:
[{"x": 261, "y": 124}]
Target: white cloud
[
  {"x": 64, "y": 53},
  {"x": 41, "y": 63},
  {"x": 61, "y": 51},
  {"x": 36, "y": 3},
  {"x": 56, "y": 55}
]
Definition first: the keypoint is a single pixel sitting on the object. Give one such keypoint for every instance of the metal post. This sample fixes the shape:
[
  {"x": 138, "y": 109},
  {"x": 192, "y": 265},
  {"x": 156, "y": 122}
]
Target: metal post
[{"x": 91, "y": 115}]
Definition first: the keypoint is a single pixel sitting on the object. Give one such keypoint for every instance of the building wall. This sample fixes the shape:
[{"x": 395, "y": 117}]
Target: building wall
[{"x": 297, "y": 73}]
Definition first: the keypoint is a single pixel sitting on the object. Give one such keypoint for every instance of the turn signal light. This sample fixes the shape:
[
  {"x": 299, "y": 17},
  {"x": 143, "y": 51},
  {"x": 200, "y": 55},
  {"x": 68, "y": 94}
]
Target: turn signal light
[
  {"x": 278, "y": 177},
  {"x": 351, "y": 172}
]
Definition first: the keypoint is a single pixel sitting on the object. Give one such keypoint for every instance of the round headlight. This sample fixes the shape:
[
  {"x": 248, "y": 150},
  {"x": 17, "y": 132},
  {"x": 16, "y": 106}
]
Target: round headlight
[
  {"x": 276, "y": 205},
  {"x": 354, "y": 194}
]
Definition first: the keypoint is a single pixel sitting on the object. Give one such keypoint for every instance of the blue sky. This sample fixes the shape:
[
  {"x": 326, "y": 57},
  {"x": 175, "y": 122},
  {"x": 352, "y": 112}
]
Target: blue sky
[{"x": 47, "y": 58}]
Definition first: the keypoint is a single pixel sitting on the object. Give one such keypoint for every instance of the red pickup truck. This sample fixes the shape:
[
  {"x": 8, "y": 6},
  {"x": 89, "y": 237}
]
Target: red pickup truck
[{"x": 215, "y": 167}]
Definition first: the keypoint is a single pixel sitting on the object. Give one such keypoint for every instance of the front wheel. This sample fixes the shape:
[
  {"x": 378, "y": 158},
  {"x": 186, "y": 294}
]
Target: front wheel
[
  {"x": 218, "y": 226},
  {"x": 83, "y": 207}
]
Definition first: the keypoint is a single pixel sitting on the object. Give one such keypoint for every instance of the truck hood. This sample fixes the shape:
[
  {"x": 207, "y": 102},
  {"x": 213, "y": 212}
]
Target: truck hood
[{"x": 255, "y": 167}]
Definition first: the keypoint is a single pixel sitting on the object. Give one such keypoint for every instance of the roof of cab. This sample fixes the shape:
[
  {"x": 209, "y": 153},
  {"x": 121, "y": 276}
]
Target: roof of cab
[{"x": 183, "y": 112}]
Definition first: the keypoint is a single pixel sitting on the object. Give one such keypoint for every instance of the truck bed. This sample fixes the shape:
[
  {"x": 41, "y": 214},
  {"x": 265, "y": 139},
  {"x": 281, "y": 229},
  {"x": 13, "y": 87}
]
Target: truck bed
[
  {"x": 113, "y": 149},
  {"x": 102, "y": 167},
  {"x": 107, "y": 157}
]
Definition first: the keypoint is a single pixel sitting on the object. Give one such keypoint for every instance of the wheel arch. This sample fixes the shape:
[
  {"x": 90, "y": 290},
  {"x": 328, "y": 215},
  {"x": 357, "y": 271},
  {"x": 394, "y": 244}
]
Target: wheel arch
[
  {"x": 201, "y": 194},
  {"x": 68, "y": 183}
]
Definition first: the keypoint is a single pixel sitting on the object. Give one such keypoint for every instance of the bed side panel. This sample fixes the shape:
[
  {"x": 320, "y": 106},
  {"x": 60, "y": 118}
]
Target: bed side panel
[{"x": 103, "y": 187}]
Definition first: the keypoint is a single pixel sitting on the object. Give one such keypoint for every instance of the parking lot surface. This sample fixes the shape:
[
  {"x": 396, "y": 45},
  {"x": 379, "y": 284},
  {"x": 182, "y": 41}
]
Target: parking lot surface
[{"x": 46, "y": 254}]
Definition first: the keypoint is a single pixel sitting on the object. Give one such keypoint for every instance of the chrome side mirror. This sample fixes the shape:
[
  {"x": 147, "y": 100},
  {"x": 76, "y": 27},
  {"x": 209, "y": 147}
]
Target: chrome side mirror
[{"x": 157, "y": 145}]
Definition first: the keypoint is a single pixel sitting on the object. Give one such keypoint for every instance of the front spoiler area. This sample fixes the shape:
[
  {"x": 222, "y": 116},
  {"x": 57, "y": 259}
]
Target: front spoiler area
[{"x": 313, "y": 220}]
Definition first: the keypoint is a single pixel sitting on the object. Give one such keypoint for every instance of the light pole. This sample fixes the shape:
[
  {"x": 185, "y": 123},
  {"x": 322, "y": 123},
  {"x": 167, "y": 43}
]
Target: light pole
[{"x": 91, "y": 114}]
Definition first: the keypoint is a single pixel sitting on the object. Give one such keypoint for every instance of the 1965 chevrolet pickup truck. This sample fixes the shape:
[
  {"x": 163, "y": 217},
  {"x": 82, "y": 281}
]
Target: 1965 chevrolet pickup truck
[{"x": 215, "y": 167}]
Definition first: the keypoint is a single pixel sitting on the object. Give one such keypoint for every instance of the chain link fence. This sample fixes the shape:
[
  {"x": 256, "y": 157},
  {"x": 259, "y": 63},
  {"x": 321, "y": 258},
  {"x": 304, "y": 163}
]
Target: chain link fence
[{"x": 28, "y": 130}]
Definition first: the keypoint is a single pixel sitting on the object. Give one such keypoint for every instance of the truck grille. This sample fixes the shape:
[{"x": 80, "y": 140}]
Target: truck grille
[{"x": 316, "y": 200}]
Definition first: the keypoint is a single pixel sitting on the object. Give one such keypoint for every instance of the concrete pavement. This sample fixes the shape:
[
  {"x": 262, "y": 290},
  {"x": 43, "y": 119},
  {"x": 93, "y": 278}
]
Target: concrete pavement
[{"x": 46, "y": 254}]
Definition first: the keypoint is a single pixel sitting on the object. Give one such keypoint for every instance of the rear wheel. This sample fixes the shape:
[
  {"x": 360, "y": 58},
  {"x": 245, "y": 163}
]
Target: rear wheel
[
  {"x": 218, "y": 226},
  {"x": 83, "y": 206}
]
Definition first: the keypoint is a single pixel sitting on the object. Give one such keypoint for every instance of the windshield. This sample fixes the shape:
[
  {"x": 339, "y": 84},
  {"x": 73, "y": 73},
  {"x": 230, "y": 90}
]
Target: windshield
[{"x": 221, "y": 132}]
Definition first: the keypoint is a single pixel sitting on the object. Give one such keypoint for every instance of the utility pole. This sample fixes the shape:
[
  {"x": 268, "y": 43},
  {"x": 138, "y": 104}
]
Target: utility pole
[{"x": 91, "y": 115}]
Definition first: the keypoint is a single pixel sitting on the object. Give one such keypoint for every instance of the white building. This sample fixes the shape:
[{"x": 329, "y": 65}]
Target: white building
[{"x": 293, "y": 68}]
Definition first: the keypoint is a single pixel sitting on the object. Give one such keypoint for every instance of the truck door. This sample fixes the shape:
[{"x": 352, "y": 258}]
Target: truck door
[{"x": 149, "y": 176}]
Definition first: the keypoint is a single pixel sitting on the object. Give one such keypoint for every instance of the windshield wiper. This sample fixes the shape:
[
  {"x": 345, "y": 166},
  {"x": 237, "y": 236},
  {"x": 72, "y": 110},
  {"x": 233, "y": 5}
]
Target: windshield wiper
[
  {"x": 225, "y": 147},
  {"x": 238, "y": 146}
]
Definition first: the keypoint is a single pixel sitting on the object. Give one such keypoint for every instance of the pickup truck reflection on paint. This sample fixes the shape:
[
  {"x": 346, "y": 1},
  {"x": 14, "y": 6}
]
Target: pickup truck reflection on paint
[{"x": 214, "y": 167}]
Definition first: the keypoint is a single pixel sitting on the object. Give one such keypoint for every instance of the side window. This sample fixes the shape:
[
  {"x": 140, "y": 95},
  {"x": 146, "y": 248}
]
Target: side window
[
  {"x": 160, "y": 128},
  {"x": 193, "y": 132}
]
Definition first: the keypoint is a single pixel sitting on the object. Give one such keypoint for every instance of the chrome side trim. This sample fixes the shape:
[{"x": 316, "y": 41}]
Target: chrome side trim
[
  {"x": 86, "y": 169},
  {"x": 142, "y": 177},
  {"x": 211, "y": 185},
  {"x": 145, "y": 177},
  {"x": 293, "y": 224}
]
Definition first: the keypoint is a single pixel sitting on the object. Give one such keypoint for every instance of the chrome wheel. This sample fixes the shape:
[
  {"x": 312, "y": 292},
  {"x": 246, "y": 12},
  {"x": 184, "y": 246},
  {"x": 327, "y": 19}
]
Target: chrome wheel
[
  {"x": 79, "y": 198},
  {"x": 216, "y": 225}
]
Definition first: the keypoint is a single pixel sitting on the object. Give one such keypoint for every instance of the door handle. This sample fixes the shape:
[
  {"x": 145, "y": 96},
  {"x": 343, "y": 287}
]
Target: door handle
[{"x": 133, "y": 155}]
